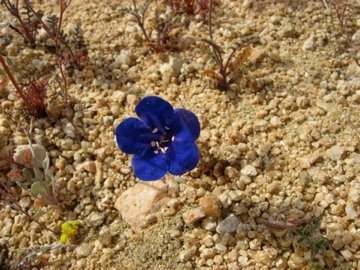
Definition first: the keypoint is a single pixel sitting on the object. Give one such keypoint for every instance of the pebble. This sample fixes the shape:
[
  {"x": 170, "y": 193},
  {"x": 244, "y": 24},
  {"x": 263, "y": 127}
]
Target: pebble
[
  {"x": 24, "y": 157},
  {"x": 84, "y": 249},
  {"x": 194, "y": 215},
  {"x": 309, "y": 44},
  {"x": 275, "y": 121},
  {"x": 210, "y": 205},
  {"x": 336, "y": 153},
  {"x": 209, "y": 224},
  {"x": 185, "y": 255},
  {"x": 249, "y": 170},
  {"x": 95, "y": 219},
  {"x": 228, "y": 225},
  {"x": 69, "y": 130},
  {"x": 25, "y": 202}
]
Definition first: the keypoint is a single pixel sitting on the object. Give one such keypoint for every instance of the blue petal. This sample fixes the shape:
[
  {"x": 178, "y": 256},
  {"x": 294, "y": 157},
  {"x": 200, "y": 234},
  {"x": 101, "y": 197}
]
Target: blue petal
[
  {"x": 133, "y": 136},
  {"x": 149, "y": 168},
  {"x": 182, "y": 156},
  {"x": 155, "y": 113},
  {"x": 186, "y": 126}
]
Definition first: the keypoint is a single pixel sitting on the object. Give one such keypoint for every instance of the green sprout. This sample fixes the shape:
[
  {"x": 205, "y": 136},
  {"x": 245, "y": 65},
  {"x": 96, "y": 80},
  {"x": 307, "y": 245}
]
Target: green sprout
[{"x": 311, "y": 238}]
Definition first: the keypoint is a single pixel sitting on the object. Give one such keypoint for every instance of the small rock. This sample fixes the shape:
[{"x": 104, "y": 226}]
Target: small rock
[
  {"x": 208, "y": 224},
  {"x": 193, "y": 215},
  {"x": 336, "y": 152},
  {"x": 228, "y": 225},
  {"x": 210, "y": 205},
  {"x": 347, "y": 254},
  {"x": 23, "y": 155},
  {"x": 309, "y": 44},
  {"x": 275, "y": 121},
  {"x": 25, "y": 202},
  {"x": 69, "y": 130},
  {"x": 95, "y": 219},
  {"x": 236, "y": 195},
  {"x": 124, "y": 58},
  {"x": 141, "y": 202},
  {"x": 84, "y": 249},
  {"x": 186, "y": 254},
  {"x": 350, "y": 210},
  {"x": 249, "y": 170}
]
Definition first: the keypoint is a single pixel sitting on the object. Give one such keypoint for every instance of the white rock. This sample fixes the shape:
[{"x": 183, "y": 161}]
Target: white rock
[
  {"x": 171, "y": 69},
  {"x": 95, "y": 219},
  {"x": 69, "y": 130},
  {"x": 84, "y": 249},
  {"x": 228, "y": 225},
  {"x": 309, "y": 44},
  {"x": 186, "y": 254},
  {"x": 350, "y": 210},
  {"x": 124, "y": 58},
  {"x": 139, "y": 203},
  {"x": 25, "y": 202},
  {"x": 24, "y": 156},
  {"x": 209, "y": 224},
  {"x": 249, "y": 170},
  {"x": 275, "y": 121},
  {"x": 336, "y": 152}
]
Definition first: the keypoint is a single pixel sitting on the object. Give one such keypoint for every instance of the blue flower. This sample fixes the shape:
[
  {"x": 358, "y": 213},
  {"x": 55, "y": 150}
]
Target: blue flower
[{"x": 162, "y": 140}]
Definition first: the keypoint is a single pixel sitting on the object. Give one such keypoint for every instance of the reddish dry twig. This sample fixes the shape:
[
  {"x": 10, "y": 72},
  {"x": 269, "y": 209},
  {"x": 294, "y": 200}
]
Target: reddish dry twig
[
  {"x": 32, "y": 95},
  {"x": 55, "y": 34},
  {"x": 28, "y": 27},
  {"x": 341, "y": 15}
]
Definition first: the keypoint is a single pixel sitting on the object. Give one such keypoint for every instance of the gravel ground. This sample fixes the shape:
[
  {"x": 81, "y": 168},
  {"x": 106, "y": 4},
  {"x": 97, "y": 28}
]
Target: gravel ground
[{"x": 279, "y": 149}]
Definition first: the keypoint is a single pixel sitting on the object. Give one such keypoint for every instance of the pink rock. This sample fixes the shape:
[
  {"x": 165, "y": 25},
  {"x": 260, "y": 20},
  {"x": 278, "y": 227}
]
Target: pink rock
[
  {"x": 193, "y": 215},
  {"x": 139, "y": 204}
]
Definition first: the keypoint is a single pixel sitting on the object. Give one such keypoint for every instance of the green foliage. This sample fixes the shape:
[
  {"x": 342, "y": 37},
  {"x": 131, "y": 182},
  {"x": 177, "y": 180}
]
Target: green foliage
[
  {"x": 311, "y": 238},
  {"x": 41, "y": 179},
  {"x": 69, "y": 231}
]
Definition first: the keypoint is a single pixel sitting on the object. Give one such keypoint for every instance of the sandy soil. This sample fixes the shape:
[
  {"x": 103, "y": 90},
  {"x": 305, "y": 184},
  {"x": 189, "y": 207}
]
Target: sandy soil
[{"x": 282, "y": 145}]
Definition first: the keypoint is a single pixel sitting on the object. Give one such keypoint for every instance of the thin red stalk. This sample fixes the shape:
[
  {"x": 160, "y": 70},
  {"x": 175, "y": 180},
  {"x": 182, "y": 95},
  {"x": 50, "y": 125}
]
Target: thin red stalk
[
  {"x": 49, "y": 32},
  {"x": 8, "y": 72},
  {"x": 58, "y": 55},
  {"x": 141, "y": 19}
]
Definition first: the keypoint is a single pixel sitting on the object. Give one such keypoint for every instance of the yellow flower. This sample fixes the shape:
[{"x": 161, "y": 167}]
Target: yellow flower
[{"x": 69, "y": 230}]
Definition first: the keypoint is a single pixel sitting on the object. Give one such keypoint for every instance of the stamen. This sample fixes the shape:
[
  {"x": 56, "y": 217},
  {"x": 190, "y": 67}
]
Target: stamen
[
  {"x": 153, "y": 144},
  {"x": 172, "y": 138},
  {"x": 163, "y": 149},
  {"x": 156, "y": 151},
  {"x": 167, "y": 128},
  {"x": 154, "y": 130}
]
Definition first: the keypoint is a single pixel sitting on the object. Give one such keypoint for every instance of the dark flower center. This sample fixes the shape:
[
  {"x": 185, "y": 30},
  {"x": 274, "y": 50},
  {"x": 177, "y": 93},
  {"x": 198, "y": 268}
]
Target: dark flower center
[{"x": 162, "y": 144}]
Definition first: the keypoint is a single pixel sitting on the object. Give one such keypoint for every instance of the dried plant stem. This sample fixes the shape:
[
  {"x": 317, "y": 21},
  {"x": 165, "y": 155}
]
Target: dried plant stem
[
  {"x": 58, "y": 53},
  {"x": 55, "y": 36},
  {"x": 140, "y": 19},
  {"x": 8, "y": 72}
]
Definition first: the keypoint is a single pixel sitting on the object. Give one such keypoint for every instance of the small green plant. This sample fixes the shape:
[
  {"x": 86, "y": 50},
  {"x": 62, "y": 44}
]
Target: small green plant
[
  {"x": 69, "y": 231},
  {"x": 28, "y": 26},
  {"x": 229, "y": 68},
  {"x": 162, "y": 26},
  {"x": 35, "y": 172},
  {"x": 343, "y": 17},
  {"x": 310, "y": 237}
]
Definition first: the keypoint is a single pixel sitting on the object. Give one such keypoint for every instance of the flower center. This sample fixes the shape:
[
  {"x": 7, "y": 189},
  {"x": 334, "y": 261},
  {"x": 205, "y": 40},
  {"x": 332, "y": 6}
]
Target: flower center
[{"x": 162, "y": 144}]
